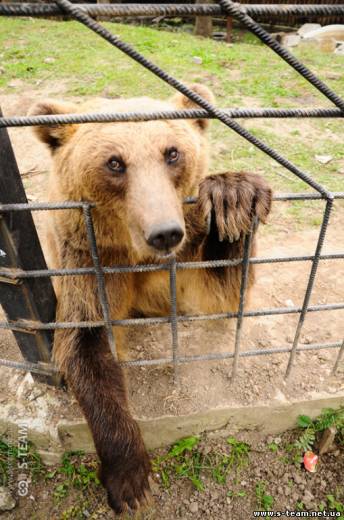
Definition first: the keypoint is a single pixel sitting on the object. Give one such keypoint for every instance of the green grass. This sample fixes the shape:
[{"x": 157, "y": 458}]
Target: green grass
[
  {"x": 264, "y": 500},
  {"x": 241, "y": 74},
  {"x": 186, "y": 460},
  {"x": 73, "y": 473}
]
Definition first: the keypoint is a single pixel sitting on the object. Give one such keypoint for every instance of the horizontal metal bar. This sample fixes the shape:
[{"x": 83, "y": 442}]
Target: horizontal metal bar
[
  {"x": 229, "y": 355},
  {"x": 34, "y": 325},
  {"x": 107, "y": 117},
  {"x": 45, "y": 369},
  {"x": 43, "y": 206},
  {"x": 170, "y": 10},
  {"x": 50, "y": 369},
  {"x": 17, "y": 274}
]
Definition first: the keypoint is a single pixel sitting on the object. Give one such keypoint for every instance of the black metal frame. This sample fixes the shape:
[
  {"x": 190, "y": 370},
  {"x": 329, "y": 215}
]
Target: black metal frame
[{"x": 83, "y": 13}]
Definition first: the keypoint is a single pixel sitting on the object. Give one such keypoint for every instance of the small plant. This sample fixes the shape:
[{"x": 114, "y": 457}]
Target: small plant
[
  {"x": 186, "y": 460},
  {"x": 234, "y": 494},
  {"x": 183, "y": 460},
  {"x": 335, "y": 503},
  {"x": 10, "y": 456},
  {"x": 75, "y": 474},
  {"x": 326, "y": 419},
  {"x": 264, "y": 501},
  {"x": 272, "y": 446}
]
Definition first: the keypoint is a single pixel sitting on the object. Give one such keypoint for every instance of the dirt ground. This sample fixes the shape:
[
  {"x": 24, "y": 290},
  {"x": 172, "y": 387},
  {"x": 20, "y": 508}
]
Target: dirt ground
[
  {"x": 278, "y": 285},
  {"x": 206, "y": 385},
  {"x": 284, "y": 486}
]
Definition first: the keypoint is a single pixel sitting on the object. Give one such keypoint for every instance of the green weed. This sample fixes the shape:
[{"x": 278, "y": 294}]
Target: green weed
[
  {"x": 264, "y": 500},
  {"x": 10, "y": 457},
  {"x": 73, "y": 473},
  {"x": 186, "y": 460}
]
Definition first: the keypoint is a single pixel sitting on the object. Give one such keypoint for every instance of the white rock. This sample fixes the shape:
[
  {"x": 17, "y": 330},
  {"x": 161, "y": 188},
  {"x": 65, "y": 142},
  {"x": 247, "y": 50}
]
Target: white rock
[
  {"x": 308, "y": 27},
  {"x": 49, "y": 60},
  {"x": 7, "y": 502},
  {"x": 324, "y": 159},
  {"x": 197, "y": 59},
  {"x": 291, "y": 40},
  {"x": 329, "y": 31}
]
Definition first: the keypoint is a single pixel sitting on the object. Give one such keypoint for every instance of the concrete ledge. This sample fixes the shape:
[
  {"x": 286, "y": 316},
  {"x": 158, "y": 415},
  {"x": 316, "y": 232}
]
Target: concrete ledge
[{"x": 270, "y": 418}]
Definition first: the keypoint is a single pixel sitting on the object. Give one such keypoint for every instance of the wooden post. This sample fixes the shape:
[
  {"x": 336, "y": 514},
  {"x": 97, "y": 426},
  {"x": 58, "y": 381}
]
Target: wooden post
[
  {"x": 29, "y": 299},
  {"x": 229, "y": 27},
  {"x": 204, "y": 24}
]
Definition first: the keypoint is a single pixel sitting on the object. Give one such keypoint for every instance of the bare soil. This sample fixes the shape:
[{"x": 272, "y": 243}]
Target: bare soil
[
  {"x": 208, "y": 384},
  {"x": 287, "y": 483}
]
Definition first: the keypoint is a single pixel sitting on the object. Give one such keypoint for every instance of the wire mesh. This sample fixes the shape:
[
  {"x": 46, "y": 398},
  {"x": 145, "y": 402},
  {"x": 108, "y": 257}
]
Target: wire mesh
[{"x": 83, "y": 13}]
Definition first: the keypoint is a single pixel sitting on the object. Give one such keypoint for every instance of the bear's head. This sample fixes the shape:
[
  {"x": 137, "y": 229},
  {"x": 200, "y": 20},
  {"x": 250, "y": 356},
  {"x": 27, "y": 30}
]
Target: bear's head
[{"x": 137, "y": 173}]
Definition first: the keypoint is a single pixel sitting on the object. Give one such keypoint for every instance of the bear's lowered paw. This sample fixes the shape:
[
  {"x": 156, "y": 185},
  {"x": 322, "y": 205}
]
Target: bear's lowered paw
[
  {"x": 125, "y": 478},
  {"x": 233, "y": 200}
]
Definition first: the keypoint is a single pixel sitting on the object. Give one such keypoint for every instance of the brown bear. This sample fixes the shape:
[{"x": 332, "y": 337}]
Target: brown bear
[{"x": 137, "y": 174}]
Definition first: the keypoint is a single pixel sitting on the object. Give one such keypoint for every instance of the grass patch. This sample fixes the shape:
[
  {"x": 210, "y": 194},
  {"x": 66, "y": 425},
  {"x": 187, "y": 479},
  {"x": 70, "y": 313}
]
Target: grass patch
[
  {"x": 188, "y": 461},
  {"x": 73, "y": 473},
  {"x": 67, "y": 56},
  {"x": 264, "y": 500}
]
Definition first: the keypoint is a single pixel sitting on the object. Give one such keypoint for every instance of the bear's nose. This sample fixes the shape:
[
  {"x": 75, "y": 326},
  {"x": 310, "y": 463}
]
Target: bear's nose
[{"x": 165, "y": 236}]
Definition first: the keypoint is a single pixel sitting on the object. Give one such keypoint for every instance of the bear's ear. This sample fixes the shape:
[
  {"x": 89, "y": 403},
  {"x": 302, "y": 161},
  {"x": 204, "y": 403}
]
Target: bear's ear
[
  {"x": 180, "y": 101},
  {"x": 53, "y": 135}
]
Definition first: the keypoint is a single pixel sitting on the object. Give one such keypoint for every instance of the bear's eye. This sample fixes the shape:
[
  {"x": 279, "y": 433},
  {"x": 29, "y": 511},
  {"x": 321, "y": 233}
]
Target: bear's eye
[
  {"x": 171, "y": 155},
  {"x": 116, "y": 165}
]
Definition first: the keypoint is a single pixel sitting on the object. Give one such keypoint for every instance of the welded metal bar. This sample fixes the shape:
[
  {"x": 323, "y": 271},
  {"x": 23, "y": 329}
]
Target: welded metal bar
[
  {"x": 45, "y": 206},
  {"x": 46, "y": 369},
  {"x": 229, "y": 355},
  {"x": 108, "y": 117},
  {"x": 311, "y": 280},
  {"x": 171, "y": 10},
  {"x": 339, "y": 358},
  {"x": 17, "y": 274},
  {"x": 173, "y": 315},
  {"x": 83, "y": 18},
  {"x": 236, "y": 10},
  {"x": 37, "y": 325},
  {"x": 243, "y": 288},
  {"x": 100, "y": 278},
  {"x": 51, "y": 369}
]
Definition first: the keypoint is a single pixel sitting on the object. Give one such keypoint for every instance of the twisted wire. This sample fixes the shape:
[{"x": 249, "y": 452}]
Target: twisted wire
[
  {"x": 107, "y": 117},
  {"x": 144, "y": 10},
  {"x": 193, "y": 96}
]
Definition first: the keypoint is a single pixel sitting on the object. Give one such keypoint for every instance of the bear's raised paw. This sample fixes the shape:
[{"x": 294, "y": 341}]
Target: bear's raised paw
[{"x": 233, "y": 199}]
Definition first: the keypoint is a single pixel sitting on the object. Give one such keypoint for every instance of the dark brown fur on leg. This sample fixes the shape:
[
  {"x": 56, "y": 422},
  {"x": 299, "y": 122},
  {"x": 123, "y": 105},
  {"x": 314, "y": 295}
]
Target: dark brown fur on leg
[{"x": 98, "y": 384}]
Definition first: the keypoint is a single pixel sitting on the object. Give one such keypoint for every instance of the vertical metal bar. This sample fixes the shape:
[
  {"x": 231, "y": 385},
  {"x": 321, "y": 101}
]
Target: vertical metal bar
[
  {"x": 99, "y": 277},
  {"x": 243, "y": 287},
  {"x": 173, "y": 316},
  {"x": 29, "y": 299},
  {"x": 315, "y": 263},
  {"x": 339, "y": 358}
]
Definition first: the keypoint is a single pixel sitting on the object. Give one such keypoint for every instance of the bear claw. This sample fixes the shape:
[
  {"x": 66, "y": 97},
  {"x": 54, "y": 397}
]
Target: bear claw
[{"x": 233, "y": 200}]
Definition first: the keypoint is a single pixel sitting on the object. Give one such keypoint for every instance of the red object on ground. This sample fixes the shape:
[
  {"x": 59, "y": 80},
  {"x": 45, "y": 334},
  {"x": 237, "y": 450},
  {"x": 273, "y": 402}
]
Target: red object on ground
[{"x": 310, "y": 460}]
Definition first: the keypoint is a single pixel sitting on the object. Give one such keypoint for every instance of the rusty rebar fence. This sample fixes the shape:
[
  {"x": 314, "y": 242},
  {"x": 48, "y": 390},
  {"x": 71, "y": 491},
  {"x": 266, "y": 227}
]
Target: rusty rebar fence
[{"x": 13, "y": 273}]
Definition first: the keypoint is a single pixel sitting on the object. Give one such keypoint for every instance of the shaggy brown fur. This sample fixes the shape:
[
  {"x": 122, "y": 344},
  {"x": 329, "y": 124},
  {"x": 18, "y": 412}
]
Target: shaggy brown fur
[{"x": 138, "y": 174}]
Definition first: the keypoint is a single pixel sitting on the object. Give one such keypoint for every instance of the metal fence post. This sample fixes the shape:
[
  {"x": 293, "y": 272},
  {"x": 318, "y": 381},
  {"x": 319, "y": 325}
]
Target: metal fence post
[{"x": 30, "y": 299}]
